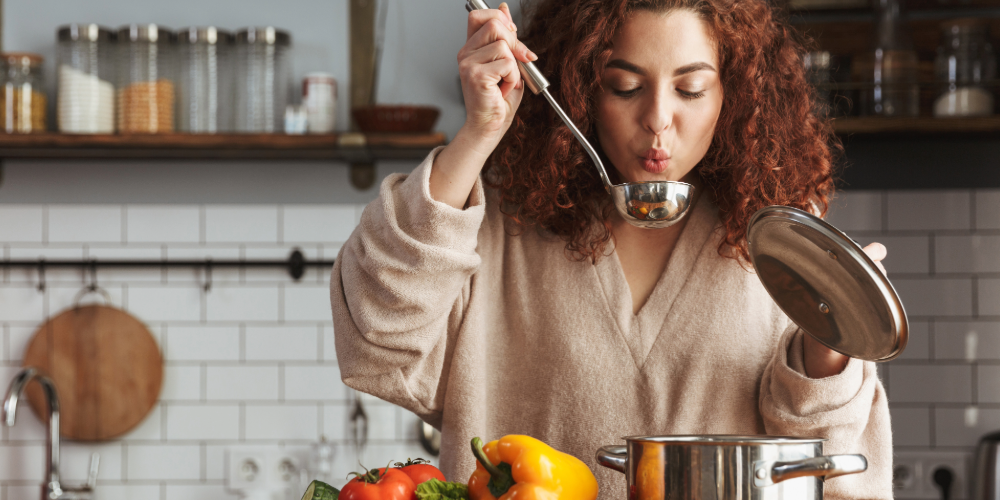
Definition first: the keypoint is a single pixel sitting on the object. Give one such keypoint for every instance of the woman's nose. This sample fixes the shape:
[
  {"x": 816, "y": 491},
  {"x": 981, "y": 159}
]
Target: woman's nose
[{"x": 659, "y": 114}]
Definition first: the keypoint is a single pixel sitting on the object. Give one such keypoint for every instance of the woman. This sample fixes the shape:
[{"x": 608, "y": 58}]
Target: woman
[{"x": 531, "y": 307}]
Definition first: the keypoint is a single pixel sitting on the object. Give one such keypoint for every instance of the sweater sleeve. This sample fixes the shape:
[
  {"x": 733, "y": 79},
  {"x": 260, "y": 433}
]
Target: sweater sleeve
[
  {"x": 849, "y": 410},
  {"x": 398, "y": 289}
]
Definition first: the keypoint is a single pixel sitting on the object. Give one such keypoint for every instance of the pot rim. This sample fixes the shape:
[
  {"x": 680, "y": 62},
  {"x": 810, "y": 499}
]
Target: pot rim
[{"x": 721, "y": 439}]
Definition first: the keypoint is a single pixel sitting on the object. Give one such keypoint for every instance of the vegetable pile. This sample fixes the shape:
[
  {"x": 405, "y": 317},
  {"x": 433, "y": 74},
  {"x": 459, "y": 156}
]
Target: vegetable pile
[{"x": 513, "y": 466}]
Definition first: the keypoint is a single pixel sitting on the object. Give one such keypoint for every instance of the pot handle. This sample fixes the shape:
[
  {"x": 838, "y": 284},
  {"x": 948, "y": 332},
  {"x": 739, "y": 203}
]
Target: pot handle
[
  {"x": 768, "y": 472},
  {"x": 613, "y": 457}
]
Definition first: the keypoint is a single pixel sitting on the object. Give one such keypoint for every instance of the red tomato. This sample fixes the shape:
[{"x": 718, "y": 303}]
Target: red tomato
[
  {"x": 392, "y": 484},
  {"x": 422, "y": 472}
]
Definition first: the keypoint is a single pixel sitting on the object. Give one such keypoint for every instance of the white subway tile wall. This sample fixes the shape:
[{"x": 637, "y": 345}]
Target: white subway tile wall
[
  {"x": 249, "y": 363},
  {"x": 252, "y": 361},
  {"x": 944, "y": 260}
]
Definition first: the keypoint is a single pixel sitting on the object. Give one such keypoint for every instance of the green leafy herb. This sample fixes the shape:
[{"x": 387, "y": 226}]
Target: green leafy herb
[{"x": 433, "y": 489}]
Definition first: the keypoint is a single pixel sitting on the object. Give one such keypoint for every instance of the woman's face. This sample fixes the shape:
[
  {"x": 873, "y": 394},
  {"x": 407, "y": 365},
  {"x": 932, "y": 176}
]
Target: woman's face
[{"x": 661, "y": 96}]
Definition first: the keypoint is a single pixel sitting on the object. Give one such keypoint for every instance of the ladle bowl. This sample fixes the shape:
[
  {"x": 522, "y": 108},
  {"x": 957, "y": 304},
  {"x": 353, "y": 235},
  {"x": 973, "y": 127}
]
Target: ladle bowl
[{"x": 652, "y": 204}]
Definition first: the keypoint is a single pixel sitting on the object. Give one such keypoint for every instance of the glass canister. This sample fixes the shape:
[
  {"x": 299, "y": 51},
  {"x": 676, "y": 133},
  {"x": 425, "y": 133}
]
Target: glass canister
[
  {"x": 146, "y": 79},
  {"x": 262, "y": 79},
  {"x": 22, "y": 97},
  {"x": 964, "y": 64},
  {"x": 205, "y": 80},
  {"x": 888, "y": 71},
  {"x": 85, "y": 94}
]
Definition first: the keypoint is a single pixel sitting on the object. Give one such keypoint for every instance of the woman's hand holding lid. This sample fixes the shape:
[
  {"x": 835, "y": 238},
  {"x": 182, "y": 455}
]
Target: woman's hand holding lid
[{"x": 821, "y": 361}]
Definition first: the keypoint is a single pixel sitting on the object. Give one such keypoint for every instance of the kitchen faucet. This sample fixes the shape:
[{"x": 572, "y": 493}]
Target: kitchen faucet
[{"x": 52, "y": 489}]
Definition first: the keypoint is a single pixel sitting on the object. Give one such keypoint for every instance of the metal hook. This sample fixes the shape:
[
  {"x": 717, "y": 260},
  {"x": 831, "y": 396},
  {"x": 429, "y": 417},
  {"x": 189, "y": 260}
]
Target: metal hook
[
  {"x": 41, "y": 275},
  {"x": 93, "y": 276},
  {"x": 92, "y": 287},
  {"x": 208, "y": 275}
]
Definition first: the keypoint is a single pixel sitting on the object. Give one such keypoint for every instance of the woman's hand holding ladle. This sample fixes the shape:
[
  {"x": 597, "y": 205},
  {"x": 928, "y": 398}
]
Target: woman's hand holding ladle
[{"x": 492, "y": 87}]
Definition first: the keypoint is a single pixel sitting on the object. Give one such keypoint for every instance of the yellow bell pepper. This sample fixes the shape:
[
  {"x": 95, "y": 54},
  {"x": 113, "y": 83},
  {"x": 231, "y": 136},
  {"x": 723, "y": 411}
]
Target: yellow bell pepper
[{"x": 524, "y": 468}]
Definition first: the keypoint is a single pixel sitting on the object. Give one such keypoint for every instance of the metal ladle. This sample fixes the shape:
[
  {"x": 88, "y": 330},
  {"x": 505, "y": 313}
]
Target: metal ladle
[{"x": 649, "y": 204}]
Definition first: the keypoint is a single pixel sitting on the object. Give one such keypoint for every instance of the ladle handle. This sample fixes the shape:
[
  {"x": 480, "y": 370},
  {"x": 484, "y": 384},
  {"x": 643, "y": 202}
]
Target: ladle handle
[{"x": 529, "y": 72}]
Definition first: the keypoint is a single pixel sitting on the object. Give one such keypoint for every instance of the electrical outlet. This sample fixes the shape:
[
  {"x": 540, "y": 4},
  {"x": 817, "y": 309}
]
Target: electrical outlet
[
  {"x": 913, "y": 474},
  {"x": 906, "y": 477},
  {"x": 247, "y": 469},
  {"x": 284, "y": 469}
]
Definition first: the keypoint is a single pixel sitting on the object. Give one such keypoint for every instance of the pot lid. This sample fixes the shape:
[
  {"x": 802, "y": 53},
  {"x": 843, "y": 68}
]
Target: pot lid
[{"x": 826, "y": 284}]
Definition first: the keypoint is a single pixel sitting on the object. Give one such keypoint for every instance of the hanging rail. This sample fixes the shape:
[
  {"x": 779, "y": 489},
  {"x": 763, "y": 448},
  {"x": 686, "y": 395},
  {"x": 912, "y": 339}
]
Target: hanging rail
[{"x": 296, "y": 264}]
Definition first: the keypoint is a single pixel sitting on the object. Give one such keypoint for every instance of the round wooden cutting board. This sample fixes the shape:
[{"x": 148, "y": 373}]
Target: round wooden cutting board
[{"x": 106, "y": 367}]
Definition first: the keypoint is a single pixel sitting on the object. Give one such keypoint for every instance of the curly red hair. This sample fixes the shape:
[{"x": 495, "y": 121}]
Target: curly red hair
[{"x": 769, "y": 146}]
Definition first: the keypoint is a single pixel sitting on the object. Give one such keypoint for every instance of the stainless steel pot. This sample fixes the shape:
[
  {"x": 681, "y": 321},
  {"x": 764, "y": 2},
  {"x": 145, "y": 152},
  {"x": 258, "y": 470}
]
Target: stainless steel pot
[{"x": 726, "y": 467}]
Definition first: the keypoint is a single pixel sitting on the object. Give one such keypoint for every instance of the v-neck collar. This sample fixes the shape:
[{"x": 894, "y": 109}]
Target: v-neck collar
[{"x": 641, "y": 330}]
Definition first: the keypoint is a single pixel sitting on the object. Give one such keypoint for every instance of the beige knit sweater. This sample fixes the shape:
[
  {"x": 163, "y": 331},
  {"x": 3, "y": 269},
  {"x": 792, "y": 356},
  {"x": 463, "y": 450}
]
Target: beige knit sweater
[{"x": 482, "y": 333}]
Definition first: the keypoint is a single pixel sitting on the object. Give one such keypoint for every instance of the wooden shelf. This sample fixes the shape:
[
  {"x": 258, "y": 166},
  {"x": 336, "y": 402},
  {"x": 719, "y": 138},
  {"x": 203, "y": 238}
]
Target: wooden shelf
[
  {"x": 349, "y": 147},
  {"x": 872, "y": 126}
]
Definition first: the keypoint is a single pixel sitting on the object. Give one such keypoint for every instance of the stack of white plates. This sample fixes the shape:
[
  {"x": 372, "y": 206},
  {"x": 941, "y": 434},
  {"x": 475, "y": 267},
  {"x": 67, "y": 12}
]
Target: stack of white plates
[{"x": 86, "y": 103}]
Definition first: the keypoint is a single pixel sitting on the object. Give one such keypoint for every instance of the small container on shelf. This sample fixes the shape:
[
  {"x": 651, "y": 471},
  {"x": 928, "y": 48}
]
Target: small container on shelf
[
  {"x": 205, "y": 80},
  {"x": 262, "y": 78},
  {"x": 86, "y": 69},
  {"x": 146, "y": 79},
  {"x": 889, "y": 71},
  {"x": 965, "y": 65},
  {"x": 319, "y": 95},
  {"x": 22, "y": 96}
]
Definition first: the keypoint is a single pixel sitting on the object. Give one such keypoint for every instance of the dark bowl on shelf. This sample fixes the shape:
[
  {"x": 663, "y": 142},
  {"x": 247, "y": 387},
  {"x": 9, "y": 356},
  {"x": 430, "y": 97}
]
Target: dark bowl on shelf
[{"x": 412, "y": 119}]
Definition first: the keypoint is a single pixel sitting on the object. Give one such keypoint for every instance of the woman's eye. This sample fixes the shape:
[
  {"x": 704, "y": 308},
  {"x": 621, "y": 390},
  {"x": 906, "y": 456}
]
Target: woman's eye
[
  {"x": 691, "y": 95},
  {"x": 625, "y": 93}
]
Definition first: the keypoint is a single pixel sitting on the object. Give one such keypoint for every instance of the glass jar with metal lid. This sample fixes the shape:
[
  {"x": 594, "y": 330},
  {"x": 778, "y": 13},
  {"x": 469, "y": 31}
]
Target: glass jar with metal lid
[
  {"x": 965, "y": 65},
  {"x": 22, "y": 96},
  {"x": 205, "y": 80},
  {"x": 146, "y": 79},
  {"x": 262, "y": 79},
  {"x": 86, "y": 72}
]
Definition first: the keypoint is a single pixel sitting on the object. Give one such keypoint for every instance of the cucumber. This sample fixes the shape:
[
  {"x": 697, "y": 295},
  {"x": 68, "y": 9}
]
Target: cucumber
[{"x": 318, "y": 490}]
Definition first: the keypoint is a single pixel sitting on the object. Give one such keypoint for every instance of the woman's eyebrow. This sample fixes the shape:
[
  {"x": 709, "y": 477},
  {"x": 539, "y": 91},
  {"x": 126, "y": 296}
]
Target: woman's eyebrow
[
  {"x": 627, "y": 66},
  {"x": 683, "y": 70},
  {"x": 691, "y": 68}
]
